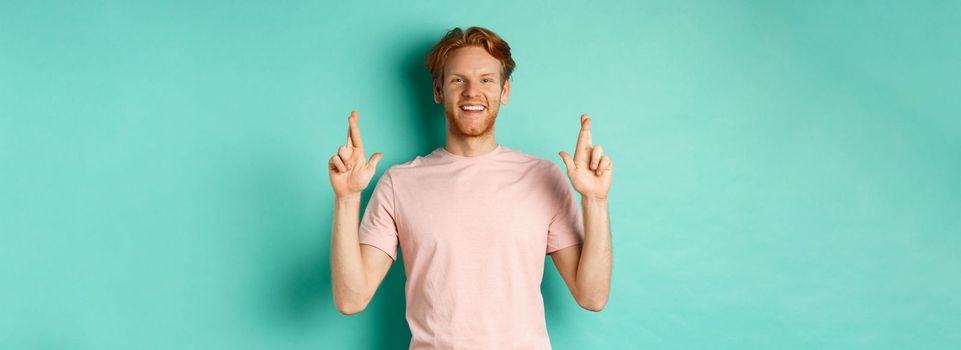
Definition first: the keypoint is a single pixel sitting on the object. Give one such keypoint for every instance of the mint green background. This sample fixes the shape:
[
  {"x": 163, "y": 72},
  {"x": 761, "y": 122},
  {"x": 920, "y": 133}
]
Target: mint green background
[{"x": 787, "y": 174}]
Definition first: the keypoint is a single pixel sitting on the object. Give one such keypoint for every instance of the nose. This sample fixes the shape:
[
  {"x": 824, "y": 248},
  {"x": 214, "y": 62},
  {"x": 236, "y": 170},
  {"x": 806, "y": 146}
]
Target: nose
[{"x": 471, "y": 89}]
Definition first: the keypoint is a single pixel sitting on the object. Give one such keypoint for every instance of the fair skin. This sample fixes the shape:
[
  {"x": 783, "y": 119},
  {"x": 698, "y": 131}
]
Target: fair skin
[
  {"x": 471, "y": 90},
  {"x": 471, "y": 77}
]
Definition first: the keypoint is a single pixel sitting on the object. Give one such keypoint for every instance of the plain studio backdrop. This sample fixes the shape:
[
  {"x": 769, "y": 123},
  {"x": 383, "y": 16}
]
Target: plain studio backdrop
[{"x": 787, "y": 175}]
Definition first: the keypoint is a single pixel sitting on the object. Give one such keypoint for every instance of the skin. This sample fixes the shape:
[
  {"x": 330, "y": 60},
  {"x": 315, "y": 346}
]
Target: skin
[{"x": 471, "y": 76}]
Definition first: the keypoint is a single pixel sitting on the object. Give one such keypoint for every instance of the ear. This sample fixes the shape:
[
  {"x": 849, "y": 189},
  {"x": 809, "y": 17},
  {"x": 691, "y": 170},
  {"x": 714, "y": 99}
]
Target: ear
[
  {"x": 438, "y": 92},
  {"x": 506, "y": 92}
]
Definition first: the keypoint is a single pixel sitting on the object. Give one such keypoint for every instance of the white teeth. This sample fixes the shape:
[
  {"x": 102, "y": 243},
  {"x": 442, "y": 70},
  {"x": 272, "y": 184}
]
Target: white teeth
[{"x": 472, "y": 108}]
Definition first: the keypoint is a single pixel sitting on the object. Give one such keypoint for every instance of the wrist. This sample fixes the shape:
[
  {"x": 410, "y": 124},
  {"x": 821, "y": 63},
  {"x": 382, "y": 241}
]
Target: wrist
[
  {"x": 349, "y": 198},
  {"x": 593, "y": 200}
]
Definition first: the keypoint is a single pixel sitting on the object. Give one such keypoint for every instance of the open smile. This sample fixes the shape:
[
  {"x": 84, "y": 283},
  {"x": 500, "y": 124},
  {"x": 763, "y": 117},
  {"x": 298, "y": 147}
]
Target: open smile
[{"x": 473, "y": 109}]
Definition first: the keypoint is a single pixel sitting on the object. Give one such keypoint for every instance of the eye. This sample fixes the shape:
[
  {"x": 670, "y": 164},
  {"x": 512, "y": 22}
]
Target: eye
[
  {"x": 488, "y": 80},
  {"x": 457, "y": 80}
]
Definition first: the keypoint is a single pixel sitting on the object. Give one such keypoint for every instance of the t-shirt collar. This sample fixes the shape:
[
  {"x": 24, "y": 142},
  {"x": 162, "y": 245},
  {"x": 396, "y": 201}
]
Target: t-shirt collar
[{"x": 444, "y": 153}]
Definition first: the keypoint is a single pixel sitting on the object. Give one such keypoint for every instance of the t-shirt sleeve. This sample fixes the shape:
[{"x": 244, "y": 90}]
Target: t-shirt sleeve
[
  {"x": 567, "y": 225},
  {"x": 378, "y": 227}
]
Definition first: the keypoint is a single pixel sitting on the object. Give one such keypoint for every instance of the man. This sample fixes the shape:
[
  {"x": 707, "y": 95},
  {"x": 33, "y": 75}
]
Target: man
[{"x": 474, "y": 219}]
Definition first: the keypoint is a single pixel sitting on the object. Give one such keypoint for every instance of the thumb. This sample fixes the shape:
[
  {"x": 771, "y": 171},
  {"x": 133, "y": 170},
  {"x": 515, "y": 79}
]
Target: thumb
[
  {"x": 567, "y": 160},
  {"x": 374, "y": 159}
]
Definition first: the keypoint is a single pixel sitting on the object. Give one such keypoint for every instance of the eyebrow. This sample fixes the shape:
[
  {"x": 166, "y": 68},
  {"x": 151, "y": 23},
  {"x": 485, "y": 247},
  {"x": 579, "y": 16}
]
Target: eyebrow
[{"x": 461, "y": 75}]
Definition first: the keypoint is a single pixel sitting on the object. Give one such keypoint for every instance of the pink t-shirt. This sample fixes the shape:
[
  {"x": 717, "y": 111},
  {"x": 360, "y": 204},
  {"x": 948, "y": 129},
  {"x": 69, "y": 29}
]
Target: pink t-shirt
[{"x": 474, "y": 232}]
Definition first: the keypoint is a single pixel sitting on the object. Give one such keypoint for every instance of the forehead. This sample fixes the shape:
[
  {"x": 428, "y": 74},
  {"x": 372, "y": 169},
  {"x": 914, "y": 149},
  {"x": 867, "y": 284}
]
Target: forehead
[{"x": 471, "y": 60}]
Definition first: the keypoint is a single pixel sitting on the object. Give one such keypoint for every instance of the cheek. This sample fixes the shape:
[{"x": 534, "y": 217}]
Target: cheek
[
  {"x": 450, "y": 94},
  {"x": 496, "y": 95}
]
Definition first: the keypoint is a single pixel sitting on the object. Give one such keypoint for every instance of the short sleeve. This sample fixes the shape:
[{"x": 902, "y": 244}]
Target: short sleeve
[
  {"x": 378, "y": 227},
  {"x": 567, "y": 225}
]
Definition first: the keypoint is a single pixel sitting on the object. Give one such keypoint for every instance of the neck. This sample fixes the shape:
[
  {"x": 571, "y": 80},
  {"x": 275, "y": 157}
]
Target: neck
[{"x": 470, "y": 146}]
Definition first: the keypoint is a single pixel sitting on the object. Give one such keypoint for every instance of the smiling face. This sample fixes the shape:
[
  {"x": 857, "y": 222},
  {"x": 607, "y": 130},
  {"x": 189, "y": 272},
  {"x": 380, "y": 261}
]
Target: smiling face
[{"x": 472, "y": 91}]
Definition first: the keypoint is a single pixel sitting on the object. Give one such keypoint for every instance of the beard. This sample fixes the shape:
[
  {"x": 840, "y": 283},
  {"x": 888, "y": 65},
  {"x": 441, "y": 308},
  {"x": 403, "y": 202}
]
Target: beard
[{"x": 465, "y": 126}]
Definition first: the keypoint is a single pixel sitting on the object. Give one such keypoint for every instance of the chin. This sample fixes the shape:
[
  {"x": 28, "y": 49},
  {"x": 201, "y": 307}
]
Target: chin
[
  {"x": 475, "y": 130},
  {"x": 464, "y": 126},
  {"x": 471, "y": 132}
]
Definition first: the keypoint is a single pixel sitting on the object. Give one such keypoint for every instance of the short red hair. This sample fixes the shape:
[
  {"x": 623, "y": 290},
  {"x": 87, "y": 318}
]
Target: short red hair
[{"x": 473, "y": 36}]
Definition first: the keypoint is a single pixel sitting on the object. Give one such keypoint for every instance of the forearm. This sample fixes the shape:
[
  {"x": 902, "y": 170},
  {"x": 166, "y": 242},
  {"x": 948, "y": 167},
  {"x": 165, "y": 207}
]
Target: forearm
[
  {"x": 594, "y": 267},
  {"x": 348, "y": 275}
]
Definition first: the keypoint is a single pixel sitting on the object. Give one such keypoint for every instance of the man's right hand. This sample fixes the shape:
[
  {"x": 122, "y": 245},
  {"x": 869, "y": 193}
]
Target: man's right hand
[{"x": 349, "y": 170}]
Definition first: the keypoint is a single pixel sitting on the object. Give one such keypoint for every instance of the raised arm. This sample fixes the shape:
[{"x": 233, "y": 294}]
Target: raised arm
[
  {"x": 586, "y": 268},
  {"x": 356, "y": 270}
]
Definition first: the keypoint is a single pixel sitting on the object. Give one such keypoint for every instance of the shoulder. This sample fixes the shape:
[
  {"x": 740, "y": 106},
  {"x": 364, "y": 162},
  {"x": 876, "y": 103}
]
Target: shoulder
[
  {"x": 540, "y": 166},
  {"x": 411, "y": 166},
  {"x": 517, "y": 155}
]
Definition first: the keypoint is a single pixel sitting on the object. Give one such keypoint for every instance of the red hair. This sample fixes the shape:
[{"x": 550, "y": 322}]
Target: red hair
[{"x": 473, "y": 36}]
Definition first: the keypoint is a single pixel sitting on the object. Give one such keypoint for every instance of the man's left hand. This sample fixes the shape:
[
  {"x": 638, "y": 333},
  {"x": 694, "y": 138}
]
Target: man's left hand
[{"x": 590, "y": 170}]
